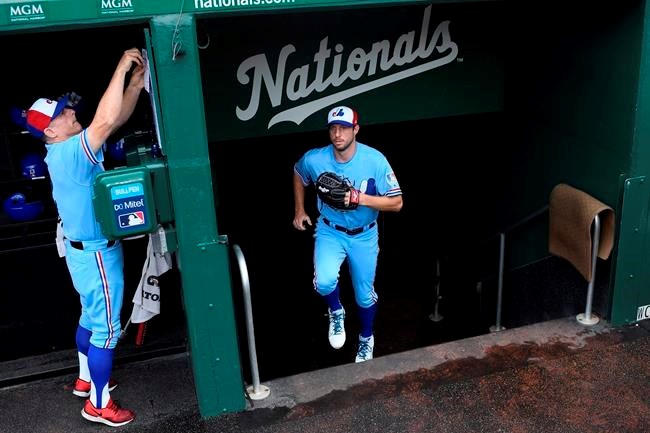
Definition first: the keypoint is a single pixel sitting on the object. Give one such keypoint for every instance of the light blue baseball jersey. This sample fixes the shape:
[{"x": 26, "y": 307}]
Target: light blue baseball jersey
[
  {"x": 73, "y": 167},
  {"x": 97, "y": 269},
  {"x": 368, "y": 171}
]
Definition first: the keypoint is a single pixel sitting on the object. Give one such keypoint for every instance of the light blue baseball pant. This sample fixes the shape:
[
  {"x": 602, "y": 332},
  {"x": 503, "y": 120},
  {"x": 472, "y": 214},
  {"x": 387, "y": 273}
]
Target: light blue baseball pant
[
  {"x": 332, "y": 247},
  {"x": 98, "y": 276}
]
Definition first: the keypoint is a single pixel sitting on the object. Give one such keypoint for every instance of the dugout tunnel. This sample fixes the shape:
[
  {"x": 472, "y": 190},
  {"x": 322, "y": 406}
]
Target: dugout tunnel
[{"x": 481, "y": 107}]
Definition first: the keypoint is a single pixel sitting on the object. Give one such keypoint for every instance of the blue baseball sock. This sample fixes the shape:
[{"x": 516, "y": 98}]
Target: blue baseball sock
[
  {"x": 100, "y": 362},
  {"x": 83, "y": 343},
  {"x": 367, "y": 319},
  {"x": 83, "y": 339},
  {"x": 332, "y": 299}
]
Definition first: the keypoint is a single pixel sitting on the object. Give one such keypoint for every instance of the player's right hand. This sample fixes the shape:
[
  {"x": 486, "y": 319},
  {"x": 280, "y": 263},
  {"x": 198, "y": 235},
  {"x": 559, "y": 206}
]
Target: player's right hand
[
  {"x": 129, "y": 58},
  {"x": 301, "y": 221}
]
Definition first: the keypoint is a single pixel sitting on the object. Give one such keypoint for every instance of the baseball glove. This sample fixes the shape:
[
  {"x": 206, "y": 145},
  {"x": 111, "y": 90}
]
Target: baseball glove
[{"x": 332, "y": 190}]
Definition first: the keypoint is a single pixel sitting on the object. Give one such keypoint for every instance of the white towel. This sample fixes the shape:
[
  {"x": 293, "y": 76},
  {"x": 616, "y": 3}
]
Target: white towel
[
  {"x": 60, "y": 243},
  {"x": 146, "y": 301}
]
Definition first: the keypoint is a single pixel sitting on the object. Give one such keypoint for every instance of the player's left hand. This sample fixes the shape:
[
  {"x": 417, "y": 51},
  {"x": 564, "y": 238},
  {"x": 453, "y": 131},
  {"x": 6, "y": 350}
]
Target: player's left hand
[
  {"x": 137, "y": 77},
  {"x": 352, "y": 198},
  {"x": 337, "y": 191}
]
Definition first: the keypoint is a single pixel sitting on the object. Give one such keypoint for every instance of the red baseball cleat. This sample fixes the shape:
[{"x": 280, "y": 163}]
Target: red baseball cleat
[
  {"x": 112, "y": 415},
  {"x": 82, "y": 388}
]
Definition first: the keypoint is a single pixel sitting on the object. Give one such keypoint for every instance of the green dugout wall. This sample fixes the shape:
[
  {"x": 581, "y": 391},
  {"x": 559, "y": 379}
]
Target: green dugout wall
[
  {"x": 580, "y": 91},
  {"x": 566, "y": 98}
]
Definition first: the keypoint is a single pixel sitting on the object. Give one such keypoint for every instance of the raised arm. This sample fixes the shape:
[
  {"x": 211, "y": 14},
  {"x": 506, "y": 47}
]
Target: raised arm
[{"x": 117, "y": 104}]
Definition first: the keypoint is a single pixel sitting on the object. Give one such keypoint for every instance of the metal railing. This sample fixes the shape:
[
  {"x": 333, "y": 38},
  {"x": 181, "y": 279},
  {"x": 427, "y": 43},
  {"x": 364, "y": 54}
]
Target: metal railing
[
  {"x": 256, "y": 391},
  {"x": 436, "y": 316},
  {"x": 586, "y": 318},
  {"x": 502, "y": 252}
]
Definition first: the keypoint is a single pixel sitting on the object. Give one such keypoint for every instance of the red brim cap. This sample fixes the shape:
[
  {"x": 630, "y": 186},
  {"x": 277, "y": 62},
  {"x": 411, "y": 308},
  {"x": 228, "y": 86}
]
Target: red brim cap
[{"x": 40, "y": 114}]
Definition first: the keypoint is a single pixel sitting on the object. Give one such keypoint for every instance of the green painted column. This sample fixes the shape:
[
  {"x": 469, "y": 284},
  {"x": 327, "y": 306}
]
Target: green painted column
[
  {"x": 631, "y": 277},
  {"x": 203, "y": 259}
]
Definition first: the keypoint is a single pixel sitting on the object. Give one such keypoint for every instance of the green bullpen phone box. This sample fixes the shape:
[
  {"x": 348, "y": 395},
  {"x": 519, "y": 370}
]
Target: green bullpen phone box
[{"x": 123, "y": 202}]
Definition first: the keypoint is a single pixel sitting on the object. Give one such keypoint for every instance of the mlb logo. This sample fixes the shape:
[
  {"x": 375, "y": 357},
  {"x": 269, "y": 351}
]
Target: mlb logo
[{"x": 131, "y": 219}]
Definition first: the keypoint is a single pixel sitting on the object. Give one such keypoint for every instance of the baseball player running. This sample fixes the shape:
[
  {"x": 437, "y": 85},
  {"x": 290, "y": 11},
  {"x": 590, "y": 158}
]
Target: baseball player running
[{"x": 353, "y": 183}]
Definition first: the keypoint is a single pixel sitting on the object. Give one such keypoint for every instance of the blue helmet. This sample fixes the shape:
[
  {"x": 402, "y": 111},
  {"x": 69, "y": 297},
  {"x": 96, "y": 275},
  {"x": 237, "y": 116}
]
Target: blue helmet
[
  {"x": 18, "y": 208},
  {"x": 32, "y": 165},
  {"x": 116, "y": 150}
]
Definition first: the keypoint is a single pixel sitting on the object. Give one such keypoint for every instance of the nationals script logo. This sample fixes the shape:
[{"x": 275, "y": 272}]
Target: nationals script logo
[{"x": 256, "y": 72}]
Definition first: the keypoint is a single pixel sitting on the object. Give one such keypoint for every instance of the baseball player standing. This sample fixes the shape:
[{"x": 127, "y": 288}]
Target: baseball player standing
[
  {"x": 346, "y": 229},
  {"x": 96, "y": 265}
]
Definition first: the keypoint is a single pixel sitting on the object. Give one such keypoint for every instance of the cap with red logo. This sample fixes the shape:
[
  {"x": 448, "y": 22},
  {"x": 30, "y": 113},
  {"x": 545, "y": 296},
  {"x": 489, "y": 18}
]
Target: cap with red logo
[
  {"x": 40, "y": 114},
  {"x": 342, "y": 116}
]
